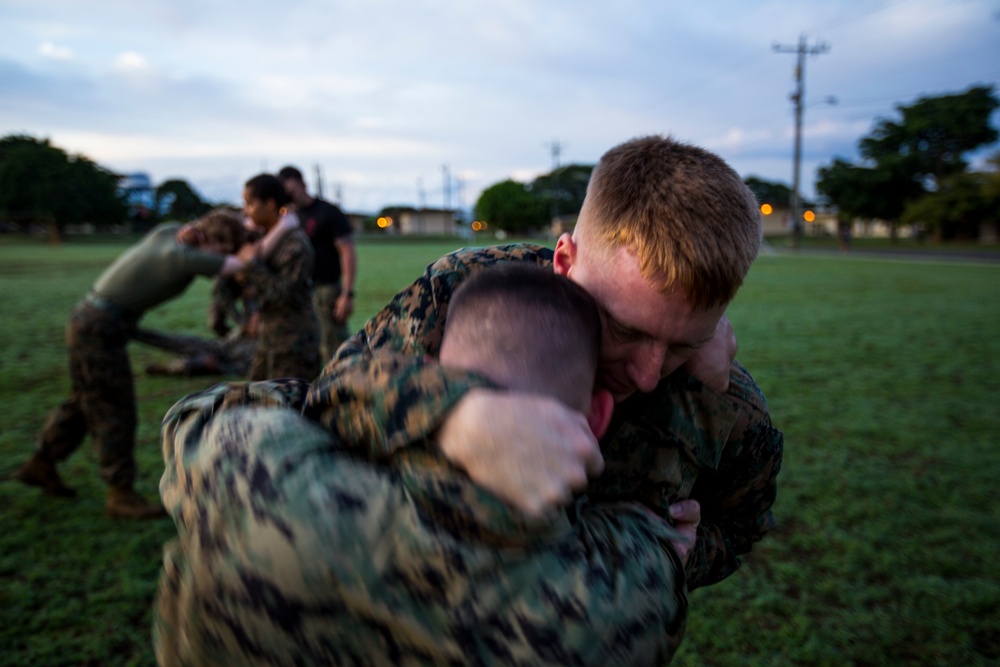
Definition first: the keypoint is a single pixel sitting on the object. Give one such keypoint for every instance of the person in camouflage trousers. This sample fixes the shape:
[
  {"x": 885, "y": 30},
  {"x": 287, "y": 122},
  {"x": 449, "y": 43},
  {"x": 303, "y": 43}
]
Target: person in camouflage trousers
[
  {"x": 665, "y": 238},
  {"x": 288, "y": 332},
  {"x": 292, "y": 551},
  {"x": 102, "y": 402}
]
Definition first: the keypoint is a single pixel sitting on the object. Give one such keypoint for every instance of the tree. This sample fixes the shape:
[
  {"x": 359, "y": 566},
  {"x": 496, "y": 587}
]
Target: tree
[
  {"x": 905, "y": 160},
  {"x": 511, "y": 206},
  {"x": 42, "y": 183},
  {"x": 178, "y": 200},
  {"x": 958, "y": 208},
  {"x": 768, "y": 192},
  {"x": 934, "y": 134},
  {"x": 563, "y": 189},
  {"x": 866, "y": 192}
]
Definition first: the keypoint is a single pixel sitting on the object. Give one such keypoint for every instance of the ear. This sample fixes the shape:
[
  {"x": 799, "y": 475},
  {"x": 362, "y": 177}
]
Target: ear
[
  {"x": 602, "y": 404},
  {"x": 565, "y": 255}
]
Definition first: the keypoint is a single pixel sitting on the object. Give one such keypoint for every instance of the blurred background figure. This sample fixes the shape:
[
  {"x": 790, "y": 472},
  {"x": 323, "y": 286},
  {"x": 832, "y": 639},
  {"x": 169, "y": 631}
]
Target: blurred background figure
[
  {"x": 336, "y": 262},
  {"x": 102, "y": 401},
  {"x": 233, "y": 315},
  {"x": 281, "y": 277}
]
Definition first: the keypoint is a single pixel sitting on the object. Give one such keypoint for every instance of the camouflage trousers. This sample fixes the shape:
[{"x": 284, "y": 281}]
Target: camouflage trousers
[
  {"x": 102, "y": 400},
  {"x": 292, "y": 552},
  {"x": 287, "y": 347},
  {"x": 332, "y": 332}
]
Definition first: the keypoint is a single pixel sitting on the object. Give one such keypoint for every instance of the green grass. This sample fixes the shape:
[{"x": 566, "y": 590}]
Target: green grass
[{"x": 883, "y": 376}]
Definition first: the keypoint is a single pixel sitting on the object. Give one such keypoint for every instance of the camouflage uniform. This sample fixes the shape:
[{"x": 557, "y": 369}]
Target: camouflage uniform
[
  {"x": 288, "y": 337},
  {"x": 291, "y": 551},
  {"x": 102, "y": 401},
  {"x": 682, "y": 440},
  {"x": 332, "y": 331}
]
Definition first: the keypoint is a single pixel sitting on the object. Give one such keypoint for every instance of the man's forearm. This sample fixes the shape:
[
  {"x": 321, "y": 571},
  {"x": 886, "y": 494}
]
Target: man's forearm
[{"x": 348, "y": 265}]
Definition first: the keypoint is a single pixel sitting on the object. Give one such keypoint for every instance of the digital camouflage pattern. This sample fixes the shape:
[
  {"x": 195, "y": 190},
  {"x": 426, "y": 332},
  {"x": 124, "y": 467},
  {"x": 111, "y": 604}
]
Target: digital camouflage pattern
[
  {"x": 292, "y": 551},
  {"x": 383, "y": 391},
  {"x": 288, "y": 335},
  {"x": 102, "y": 396}
]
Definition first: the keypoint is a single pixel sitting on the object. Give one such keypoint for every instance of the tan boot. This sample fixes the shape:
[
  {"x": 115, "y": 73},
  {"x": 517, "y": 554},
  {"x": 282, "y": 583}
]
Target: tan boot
[
  {"x": 41, "y": 473},
  {"x": 124, "y": 503}
]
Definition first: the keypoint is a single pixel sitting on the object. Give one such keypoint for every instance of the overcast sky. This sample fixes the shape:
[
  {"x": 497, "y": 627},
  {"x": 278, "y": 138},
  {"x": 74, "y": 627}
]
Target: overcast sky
[{"x": 386, "y": 96}]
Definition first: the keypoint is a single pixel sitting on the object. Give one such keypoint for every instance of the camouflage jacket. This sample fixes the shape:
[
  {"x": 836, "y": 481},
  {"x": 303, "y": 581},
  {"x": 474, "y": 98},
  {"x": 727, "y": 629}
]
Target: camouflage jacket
[
  {"x": 288, "y": 334},
  {"x": 283, "y": 285},
  {"x": 383, "y": 391},
  {"x": 292, "y": 551}
]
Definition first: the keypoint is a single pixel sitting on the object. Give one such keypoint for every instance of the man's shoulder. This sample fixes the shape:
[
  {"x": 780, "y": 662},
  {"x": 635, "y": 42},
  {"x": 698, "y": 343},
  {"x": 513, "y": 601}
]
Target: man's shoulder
[
  {"x": 324, "y": 207},
  {"x": 471, "y": 259}
]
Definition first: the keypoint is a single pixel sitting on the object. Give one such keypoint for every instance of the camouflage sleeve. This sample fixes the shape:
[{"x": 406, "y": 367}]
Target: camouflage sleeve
[
  {"x": 196, "y": 410},
  {"x": 685, "y": 440},
  {"x": 290, "y": 553},
  {"x": 597, "y": 583},
  {"x": 736, "y": 497},
  {"x": 384, "y": 389},
  {"x": 632, "y": 587},
  {"x": 287, "y": 271}
]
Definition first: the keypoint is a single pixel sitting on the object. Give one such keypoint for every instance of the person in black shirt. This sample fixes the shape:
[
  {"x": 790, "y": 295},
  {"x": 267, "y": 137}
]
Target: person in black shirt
[{"x": 336, "y": 262}]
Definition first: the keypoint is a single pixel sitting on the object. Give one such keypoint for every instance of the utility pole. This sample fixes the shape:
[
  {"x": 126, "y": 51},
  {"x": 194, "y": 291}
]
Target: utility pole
[
  {"x": 556, "y": 147},
  {"x": 319, "y": 181},
  {"x": 423, "y": 203},
  {"x": 460, "y": 196},
  {"x": 447, "y": 186},
  {"x": 798, "y": 98}
]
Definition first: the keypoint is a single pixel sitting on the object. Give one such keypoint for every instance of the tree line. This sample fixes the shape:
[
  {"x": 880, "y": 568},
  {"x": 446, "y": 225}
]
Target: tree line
[
  {"x": 43, "y": 185},
  {"x": 913, "y": 170}
]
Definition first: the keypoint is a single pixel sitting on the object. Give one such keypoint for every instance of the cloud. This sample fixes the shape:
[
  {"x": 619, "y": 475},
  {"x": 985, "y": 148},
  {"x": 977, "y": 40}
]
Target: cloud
[
  {"x": 50, "y": 50},
  {"x": 130, "y": 61},
  {"x": 381, "y": 93}
]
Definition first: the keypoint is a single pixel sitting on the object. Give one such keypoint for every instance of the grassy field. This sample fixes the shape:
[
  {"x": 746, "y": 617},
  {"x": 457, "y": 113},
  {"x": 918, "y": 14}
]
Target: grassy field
[{"x": 883, "y": 375}]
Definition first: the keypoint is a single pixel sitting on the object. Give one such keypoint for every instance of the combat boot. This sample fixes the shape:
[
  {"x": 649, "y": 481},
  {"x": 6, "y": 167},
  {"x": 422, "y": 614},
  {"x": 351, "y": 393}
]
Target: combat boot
[
  {"x": 41, "y": 473},
  {"x": 124, "y": 503}
]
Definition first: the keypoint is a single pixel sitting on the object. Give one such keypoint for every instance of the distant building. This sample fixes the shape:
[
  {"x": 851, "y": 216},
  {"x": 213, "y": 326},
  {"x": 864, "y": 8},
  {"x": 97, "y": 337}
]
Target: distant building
[
  {"x": 357, "y": 221},
  {"x": 411, "y": 221},
  {"x": 563, "y": 224}
]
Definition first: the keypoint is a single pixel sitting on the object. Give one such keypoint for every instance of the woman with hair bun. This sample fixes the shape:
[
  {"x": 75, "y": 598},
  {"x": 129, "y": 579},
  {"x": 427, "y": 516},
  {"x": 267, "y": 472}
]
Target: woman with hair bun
[{"x": 288, "y": 332}]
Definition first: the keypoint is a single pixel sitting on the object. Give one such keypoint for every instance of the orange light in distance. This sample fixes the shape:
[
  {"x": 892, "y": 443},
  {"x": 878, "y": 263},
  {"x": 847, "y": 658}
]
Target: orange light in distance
[
  {"x": 809, "y": 216},
  {"x": 766, "y": 209}
]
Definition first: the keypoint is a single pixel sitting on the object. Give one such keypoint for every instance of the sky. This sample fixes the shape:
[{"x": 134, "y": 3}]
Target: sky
[{"x": 428, "y": 102}]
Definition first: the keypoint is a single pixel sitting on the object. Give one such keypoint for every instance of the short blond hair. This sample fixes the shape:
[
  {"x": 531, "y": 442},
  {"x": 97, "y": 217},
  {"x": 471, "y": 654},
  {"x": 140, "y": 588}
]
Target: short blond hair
[{"x": 686, "y": 215}]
